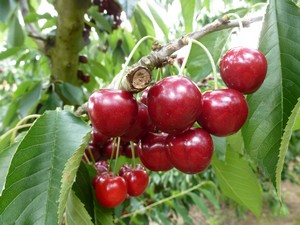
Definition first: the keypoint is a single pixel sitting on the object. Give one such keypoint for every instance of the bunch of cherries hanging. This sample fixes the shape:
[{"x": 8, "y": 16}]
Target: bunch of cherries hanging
[{"x": 163, "y": 124}]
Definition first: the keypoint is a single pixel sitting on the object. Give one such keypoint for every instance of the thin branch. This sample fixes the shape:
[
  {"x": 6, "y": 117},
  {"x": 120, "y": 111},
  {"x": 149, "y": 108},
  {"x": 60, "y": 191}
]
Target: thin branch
[
  {"x": 141, "y": 71},
  {"x": 31, "y": 29},
  {"x": 161, "y": 56}
]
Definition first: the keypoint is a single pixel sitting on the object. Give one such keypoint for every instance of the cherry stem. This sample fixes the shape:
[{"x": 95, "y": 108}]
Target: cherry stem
[
  {"x": 238, "y": 19},
  {"x": 130, "y": 57},
  {"x": 91, "y": 154},
  {"x": 15, "y": 129},
  {"x": 117, "y": 155},
  {"x": 189, "y": 46},
  {"x": 142, "y": 210},
  {"x": 211, "y": 60},
  {"x": 14, "y": 132},
  {"x": 132, "y": 154},
  {"x": 112, "y": 153}
]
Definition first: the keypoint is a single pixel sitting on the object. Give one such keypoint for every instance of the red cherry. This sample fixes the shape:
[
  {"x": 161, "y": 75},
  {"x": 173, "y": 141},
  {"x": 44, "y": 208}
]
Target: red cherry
[
  {"x": 144, "y": 96},
  {"x": 108, "y": 149},
  {"x": 98, "y": 138},
  {"x": 224, "y": 112},
  {"x": 243, "y": 69},
  {"x": 174, "y": 104},
  {"x": 137, "y": 181},
  {"x": 112, "y": 112},
  {"x": 101, "y": 166},
  {"x": 140, "y": 126},
  {"x": 95, "y": 150},
  {"x": 127, "y": 150},
  {"x": 191, "y": 151},
  {"x": 153, "y": 152},
  {"x": 110, "y": 190},
  {"x": 128, "y": 167}
]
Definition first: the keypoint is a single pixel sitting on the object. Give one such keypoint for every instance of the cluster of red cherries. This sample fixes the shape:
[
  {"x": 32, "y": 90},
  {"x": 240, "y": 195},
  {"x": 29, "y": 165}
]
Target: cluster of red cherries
[{"x": 172, "y": 123}]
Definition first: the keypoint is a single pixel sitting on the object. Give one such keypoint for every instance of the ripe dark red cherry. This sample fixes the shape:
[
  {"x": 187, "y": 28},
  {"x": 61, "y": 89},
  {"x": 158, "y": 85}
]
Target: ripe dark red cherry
[
  {"x": 98, "y": 138},
  {"x": 110, "y": 190},
  {"x": 224, "y": 112},
  {"x": 243, "y": 69},
  {"x": 174, "y": 104},
  {"x": 137, "y": 181},
  {"x": 107, "y": 150},
  {"x": 191, "y": 151},
  {"x": 153, "y": 152},
  {"x": 140, "y": 126},
  {"x": 101, "y": 166},
  {"x": 128, "y": 153},
  {"x": 112, "y": 112}
]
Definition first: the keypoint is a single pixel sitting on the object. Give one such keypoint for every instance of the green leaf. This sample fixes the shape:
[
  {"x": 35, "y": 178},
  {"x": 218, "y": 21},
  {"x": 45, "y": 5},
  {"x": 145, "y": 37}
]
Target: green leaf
[
  {"x": 271, "y": 106},
  {"x": 198, "y": 64},
  {"x": 83, "y": 188},
  {"x": 15, "y": 35},
  {"x": 33, "y": 183},
  {"x": 6, "y": 156},
  {"x": 199, "y": 202},
  {"x": 69, "y": 175},
  {"x": 128, "y": 6},
  {"x": 5, "y": 9},
  {"x": 71, "y": 94},
  {"x": 100, "y": 19},
  {"x": 34, "y": 17},
  {"x": 75, "y": 212},
  {"x": 9, "y": 52},
  {"x": 158, "y": 19},
  {"x": 188, "y": 9},
  {"x": 284, "y": 145},
  {"x": 24, "y": 101},
  {"x": 144, "y": 24},
  {"x": 238, "y": 182},
  {"x": 183, "y": 212}
]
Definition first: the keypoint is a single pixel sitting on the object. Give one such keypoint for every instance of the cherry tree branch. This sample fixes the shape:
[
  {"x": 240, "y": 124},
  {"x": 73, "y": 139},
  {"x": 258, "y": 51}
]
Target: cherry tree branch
[{"x": 138, "y": 76}]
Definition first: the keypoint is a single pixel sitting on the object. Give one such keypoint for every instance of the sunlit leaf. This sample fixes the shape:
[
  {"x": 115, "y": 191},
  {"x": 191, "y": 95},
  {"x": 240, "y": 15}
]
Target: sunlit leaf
[
  {"x": 33, "y": 183},
  {"x": 271, "y": 106},
  {"x": 128, "y": 6},
  {"x": 75, "y": 211},
  {"x": 285, "y": 145},
  {"x": 15, "y": 36},
  {"x": 238, "y": 182},
  {"x": 69, "y": 175},
  {"x": 198, "y": 64},
  {"x": 188, "y": 10}
]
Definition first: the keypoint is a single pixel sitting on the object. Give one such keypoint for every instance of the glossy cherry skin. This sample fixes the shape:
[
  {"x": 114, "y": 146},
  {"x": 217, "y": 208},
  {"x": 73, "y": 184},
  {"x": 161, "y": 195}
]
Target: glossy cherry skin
[
  {"x": 140, "y": 126},
  {"x": 128, "y": 153},
  {"x": 101, "y": 166},
  {"x": 144, "y": 96},
  {"x": 110, "y": 190},
  {"x": 224, "y": 112},
  {"x": 98, "y": 138},
  {"x": 137, "y": 181},
  {"x": 95, "y": 150},
  {"x": 107, "y": 150},
  {"x": 174, "y": 104},
  {"x": 112, "y": 112},
  {"x": 153, "y": 152},
  {"x": 243, "y": 69},
  {"x": 191, "y": 151}
]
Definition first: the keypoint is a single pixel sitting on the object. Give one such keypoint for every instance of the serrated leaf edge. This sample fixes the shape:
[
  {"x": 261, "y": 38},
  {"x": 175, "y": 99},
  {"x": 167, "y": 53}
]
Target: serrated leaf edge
[
  {"x": 70, "y": 177},
  {"x": 285, "y": 139}
]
